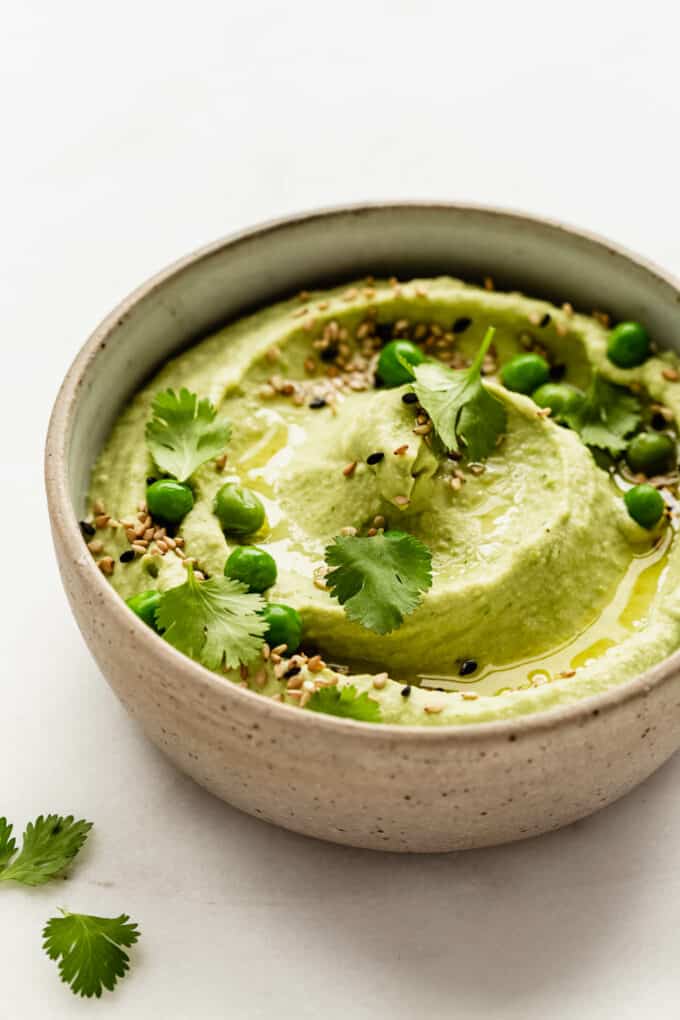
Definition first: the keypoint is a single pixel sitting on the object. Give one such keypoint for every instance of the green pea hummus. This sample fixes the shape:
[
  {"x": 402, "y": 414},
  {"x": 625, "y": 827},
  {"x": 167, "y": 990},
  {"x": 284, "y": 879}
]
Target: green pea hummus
[{"x": 539, "y": 575}]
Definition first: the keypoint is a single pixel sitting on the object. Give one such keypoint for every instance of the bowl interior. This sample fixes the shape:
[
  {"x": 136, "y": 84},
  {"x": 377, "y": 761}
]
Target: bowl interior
[{"x": 231, "y": 277}]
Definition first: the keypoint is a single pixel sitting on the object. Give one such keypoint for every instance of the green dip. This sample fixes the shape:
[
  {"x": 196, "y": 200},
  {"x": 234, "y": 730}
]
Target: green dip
[{"x": 540, "y": 575}]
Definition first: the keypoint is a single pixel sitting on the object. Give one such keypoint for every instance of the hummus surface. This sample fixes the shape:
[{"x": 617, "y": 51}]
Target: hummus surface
[{"x": 539, "y": 574}]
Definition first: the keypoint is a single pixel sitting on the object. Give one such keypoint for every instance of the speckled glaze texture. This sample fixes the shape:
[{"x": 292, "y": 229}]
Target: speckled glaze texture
[{"x": 383, "y": 787}]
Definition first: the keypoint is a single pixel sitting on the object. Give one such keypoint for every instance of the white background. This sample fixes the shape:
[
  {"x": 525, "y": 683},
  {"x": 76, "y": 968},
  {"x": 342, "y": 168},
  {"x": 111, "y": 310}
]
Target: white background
[{"x": 131, "y": 133}]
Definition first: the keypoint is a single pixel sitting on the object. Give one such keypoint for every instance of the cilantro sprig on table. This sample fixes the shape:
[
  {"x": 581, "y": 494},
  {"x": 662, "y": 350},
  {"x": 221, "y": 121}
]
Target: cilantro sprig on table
[
  {"x": 183, "y": 432},
  {"x": 48, "y": 846},
  {"x": 379, "y": 580},
  {"x": 88, "y": 947},
  {"x": 466, "y": 417},
  {"x": 605, "y": 416},
  {"x": 346, "y": 703},
  {"x": 89, "y": 950},
  {"x": 215, "y": 622}
]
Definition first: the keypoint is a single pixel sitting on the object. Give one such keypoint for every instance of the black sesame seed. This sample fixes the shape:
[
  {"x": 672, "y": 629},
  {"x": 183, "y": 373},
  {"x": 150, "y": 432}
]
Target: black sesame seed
[
  {"x": 375, "y": 458},
  {"x": 406, "y": 691},
  {"x": 658, "y": 421},
  {"x": 150, "y": 480},
  {"x": 293, "y": 671},
  {"x": 127, "y": 556},
  {"x": 461, "y": 324},
  {"x": 329, "y": 353},
  {"x": 317, "y": 402},
  {"x": 545, "y": 321},
  {"x": 384, "y": 331},
  {"x": 558, "y": 372},
  {"x": 467, "y": 667},
  {"x": 87, "y": 529},
  {"x": 410, "y": 398}
]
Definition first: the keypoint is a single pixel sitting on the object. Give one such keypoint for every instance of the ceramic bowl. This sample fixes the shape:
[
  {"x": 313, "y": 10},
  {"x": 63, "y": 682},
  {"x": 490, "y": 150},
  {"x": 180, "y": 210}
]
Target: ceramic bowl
[{"x": 384, "y": 787}]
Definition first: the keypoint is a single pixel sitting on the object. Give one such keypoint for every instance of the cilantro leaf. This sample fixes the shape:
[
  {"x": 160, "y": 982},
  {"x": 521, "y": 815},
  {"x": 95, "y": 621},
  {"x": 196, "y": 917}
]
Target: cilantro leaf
[
  {"x": 8, "y": 844},
  {"x": 214, "y": 622},
  {"x": 89, "y": 950},
  {"x": 379, "y": 580},
  {"x": 605, "y": 416},
  {"x": 462, "y": 411},
  {"x": 48, "y": 845},
  {"x": 183, "y": 434},
  {"x": 345, "y": 702}
]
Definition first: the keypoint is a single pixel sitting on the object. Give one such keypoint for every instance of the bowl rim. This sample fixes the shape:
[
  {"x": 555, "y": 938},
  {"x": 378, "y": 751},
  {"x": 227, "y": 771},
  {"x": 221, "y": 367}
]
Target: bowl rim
[{"x": 66, "y": 531}]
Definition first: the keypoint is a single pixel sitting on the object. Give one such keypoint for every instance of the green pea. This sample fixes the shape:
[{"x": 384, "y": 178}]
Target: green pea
[
  {"x": 145, "y": 605},
  {"x": 645, "y": 504},
  {"x": 285, "y": 626},
  {"x": 390, "y": 369},
  {"x": 169, "y": 501},
  {"x": 525, "y": 373},
  {"x": 628, "y": 345},
  {"x": 652, "y": 453},
  {"x": 239, "y": 510},
  {"x": 253, "y": 566},
  {"x": 561, "y": 398}
]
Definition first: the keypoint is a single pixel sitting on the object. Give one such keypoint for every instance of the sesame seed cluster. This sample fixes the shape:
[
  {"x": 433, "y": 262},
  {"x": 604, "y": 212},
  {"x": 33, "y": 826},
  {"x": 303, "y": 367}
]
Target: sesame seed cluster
[{"x": 143, "y": 536}]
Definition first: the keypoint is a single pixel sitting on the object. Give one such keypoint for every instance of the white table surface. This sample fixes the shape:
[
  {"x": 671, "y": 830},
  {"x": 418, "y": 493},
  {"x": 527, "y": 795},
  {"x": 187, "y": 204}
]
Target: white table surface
[{"x": 131, "y": 134}]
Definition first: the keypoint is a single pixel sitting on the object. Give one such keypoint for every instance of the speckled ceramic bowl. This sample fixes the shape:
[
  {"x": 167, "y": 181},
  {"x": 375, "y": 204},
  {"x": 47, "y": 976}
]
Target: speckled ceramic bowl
[{"x": 384, "y": 787}]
